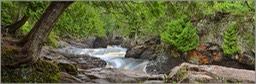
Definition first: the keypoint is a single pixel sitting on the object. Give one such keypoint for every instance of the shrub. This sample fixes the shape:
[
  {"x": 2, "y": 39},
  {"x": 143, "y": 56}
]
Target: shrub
[
  {"x": 230, "y": 45},
  {"x": 25, "y": 28},
  {"x": 181, "y": 34}
]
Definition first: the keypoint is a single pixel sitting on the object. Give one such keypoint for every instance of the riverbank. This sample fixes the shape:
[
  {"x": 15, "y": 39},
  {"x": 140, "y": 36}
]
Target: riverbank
[{"x": 83, "y": 68}]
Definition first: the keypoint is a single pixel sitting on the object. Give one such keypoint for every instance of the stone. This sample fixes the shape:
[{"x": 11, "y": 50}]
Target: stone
[
  {"x": 191, "y": 73},
  {"x": 120, "y": 75},
  {"x": 162, "y": 64},
  {"x": 88, "y": 62},
  {"x": 101, "y": 42},
  {"x": 145, "y": 50}
]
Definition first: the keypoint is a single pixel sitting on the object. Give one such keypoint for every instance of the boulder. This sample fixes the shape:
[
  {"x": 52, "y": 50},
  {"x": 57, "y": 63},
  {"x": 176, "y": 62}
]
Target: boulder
[
  {"x": 101, "y": 42},
  {"x": 162, "y": 64},
  {"x": 191, "y": 73},
  {"x": 145, "y": 50}
]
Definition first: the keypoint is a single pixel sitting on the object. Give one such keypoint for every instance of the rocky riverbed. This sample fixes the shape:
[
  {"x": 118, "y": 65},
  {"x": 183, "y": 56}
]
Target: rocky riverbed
[{"x": 84, "y": 68}]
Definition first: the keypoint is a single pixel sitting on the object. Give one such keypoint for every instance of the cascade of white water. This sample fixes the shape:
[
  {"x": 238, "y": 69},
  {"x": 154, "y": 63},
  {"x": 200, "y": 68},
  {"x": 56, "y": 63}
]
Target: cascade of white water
[{"x": 113, "y": 55}]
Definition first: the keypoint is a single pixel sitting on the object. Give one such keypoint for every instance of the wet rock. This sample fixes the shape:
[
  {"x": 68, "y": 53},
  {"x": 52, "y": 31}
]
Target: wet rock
[
  {"x": 101, "y": 42},
  {"x": 162, "y": 64},
  {"x": 88, "y": 62},
  {"x": 191, "y": 73},
  {"x": 144, "y": 50}
]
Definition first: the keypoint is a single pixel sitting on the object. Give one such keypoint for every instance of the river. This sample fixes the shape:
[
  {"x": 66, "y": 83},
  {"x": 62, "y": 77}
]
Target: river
[{"x": 113, "y": 55}]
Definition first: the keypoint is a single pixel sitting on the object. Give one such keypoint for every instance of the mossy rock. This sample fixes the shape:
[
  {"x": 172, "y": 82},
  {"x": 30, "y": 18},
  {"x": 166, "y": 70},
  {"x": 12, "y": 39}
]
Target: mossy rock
[
  {"x": 8, "y": 52},
  {"x": 181, "y": 73},
  {"x": 69, "y": 68},
  {"x": 39, "y": 72}
]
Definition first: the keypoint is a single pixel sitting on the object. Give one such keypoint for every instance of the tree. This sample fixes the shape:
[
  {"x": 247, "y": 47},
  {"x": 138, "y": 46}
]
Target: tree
[
  {"x": 27, "y": 9},
  {"x": 32, "y": 43},
  {"x": 230, "y": 45},
  {"x": 181, "y": 34}
]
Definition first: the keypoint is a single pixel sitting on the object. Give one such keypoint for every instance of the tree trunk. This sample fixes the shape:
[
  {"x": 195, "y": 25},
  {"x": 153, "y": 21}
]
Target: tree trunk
[
  {"x": 34, "y": 40},
  {"x": 15, "y": 26}
]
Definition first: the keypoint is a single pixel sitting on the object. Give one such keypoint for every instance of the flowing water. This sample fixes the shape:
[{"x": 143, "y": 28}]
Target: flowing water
[{"x": 113, "y": 55}]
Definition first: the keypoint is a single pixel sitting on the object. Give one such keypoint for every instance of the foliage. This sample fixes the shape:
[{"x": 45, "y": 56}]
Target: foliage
[
  {"x": 51, "y": 40},
  {"x": 7, "y": 16},
  {"x": 132, "y": 18},
  {"x": 181, "y": 34},
  {"x": 25, "y": 28},
  {"x": 80, "y": 20},
  {"x": 229, "y": 44}
]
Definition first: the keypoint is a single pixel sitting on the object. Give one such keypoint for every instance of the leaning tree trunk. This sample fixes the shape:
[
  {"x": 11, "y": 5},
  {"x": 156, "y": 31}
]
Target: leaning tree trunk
[
  {"x": 15, "y": 26},
  {"x": 34, "y": 40}
]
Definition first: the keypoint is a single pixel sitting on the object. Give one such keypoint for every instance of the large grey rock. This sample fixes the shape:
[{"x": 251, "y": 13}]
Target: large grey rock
[
  {"x": 101, "y": 42},
  {"x": 145, "y": 50},
  {"x": 191, "y": 73},
  {"x": 162, "y": 64}
]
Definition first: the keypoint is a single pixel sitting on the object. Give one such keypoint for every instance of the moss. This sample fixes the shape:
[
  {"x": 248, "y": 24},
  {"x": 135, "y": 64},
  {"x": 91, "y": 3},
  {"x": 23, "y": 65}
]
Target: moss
[
  {"x": 69, "y": 68},
  {"x": 39, "y": 72},
  {"x": 182, "y": 72},
  {"x": 7, "y": 53}
]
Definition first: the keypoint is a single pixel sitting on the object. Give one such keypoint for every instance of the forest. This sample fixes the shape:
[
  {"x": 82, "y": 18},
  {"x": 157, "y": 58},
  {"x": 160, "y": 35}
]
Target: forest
[{"x": 128, "y": 41}]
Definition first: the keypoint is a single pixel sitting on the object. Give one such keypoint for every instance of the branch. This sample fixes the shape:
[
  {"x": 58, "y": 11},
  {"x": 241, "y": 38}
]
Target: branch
[{"x": 252, "y": 9}]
